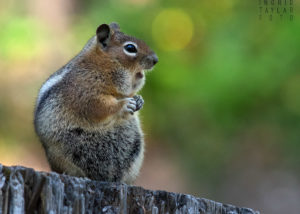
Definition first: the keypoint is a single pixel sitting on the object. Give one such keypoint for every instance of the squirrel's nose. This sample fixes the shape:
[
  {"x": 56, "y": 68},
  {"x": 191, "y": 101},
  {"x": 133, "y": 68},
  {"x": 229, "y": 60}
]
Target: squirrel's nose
[
  {"x": 152, "y": 59},
  {"x": 155, "y": 59}
]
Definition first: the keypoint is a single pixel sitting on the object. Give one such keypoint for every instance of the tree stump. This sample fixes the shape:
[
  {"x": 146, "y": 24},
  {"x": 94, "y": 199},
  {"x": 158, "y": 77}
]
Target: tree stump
[{"x": 23, "y": 190}]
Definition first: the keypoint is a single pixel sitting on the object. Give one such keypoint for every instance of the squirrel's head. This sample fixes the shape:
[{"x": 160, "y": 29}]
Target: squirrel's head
[{"x": 132, "y": 54}]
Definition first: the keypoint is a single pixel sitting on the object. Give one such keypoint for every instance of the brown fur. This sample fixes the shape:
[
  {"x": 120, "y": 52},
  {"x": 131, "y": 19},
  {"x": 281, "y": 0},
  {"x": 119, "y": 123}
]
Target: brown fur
[{"x": 104, "y": 99}]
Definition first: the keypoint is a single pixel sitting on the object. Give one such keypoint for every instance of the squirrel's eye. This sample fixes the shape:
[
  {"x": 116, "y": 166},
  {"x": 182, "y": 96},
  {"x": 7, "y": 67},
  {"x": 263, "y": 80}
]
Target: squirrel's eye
[{"x": 130, "y": 48}]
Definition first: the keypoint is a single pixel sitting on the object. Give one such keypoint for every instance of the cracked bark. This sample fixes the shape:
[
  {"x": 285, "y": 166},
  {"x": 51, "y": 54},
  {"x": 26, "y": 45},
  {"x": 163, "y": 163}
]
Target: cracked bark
[{"x": 23, "y": 190}]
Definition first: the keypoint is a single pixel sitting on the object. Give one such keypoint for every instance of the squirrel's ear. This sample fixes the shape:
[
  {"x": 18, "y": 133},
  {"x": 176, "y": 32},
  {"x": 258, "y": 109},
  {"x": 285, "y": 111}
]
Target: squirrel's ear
[
  {"x": 103, "y": 34},
  {"x": 114, "y": 26}
]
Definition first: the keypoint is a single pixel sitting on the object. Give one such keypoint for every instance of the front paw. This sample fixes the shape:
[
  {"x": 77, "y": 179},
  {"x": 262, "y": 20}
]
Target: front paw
[
  {"x": 130, "y": 105},
  {"x": 139, "y": 102}
]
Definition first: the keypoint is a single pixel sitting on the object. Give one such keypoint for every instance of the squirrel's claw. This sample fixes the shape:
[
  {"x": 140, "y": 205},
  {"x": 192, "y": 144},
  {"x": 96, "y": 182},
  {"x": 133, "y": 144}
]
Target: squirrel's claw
[{"x": 139, "y": 102}]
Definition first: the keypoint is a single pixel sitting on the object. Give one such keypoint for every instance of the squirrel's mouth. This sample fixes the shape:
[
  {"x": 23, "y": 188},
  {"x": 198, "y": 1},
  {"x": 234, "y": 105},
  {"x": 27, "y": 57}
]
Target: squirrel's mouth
[
  {"x": 139, "y": 75},
  {"x": 139, "y": 80}
]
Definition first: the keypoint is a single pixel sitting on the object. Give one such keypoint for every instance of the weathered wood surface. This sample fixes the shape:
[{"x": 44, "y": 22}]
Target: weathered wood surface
[{"x": 23, "y": 190}]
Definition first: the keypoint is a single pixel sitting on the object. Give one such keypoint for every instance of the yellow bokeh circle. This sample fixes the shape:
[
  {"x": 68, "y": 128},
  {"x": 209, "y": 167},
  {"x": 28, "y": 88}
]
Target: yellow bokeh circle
[{"x": 172, "y": 29}]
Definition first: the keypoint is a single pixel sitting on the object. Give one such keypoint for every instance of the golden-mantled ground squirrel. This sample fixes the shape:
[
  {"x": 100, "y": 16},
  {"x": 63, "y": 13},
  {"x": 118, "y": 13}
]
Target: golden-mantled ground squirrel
[{"x": 85, "y": 114}]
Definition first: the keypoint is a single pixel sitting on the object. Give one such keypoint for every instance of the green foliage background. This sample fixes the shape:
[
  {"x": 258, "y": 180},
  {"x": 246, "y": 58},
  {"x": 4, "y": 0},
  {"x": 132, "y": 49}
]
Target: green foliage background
[{"x": 231, "y": 95}]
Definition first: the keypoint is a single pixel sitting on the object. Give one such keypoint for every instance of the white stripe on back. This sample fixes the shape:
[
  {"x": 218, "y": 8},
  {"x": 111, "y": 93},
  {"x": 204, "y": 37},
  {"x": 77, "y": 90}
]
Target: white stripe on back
[{"x": 49, "y": 84}]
